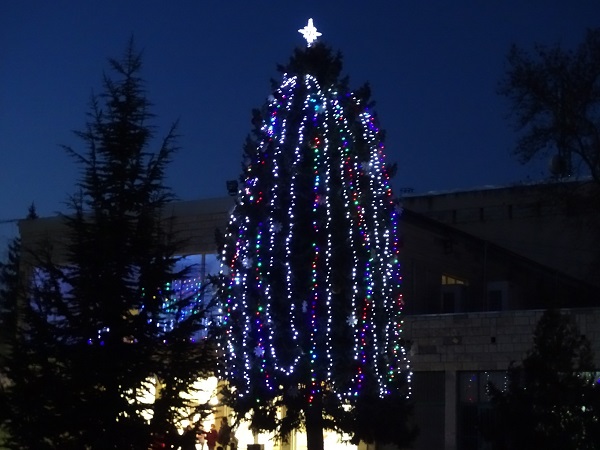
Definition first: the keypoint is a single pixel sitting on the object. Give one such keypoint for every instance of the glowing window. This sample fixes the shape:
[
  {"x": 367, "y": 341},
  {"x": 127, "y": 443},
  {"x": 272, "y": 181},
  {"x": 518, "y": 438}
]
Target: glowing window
[{"x": 449, "y": 279}]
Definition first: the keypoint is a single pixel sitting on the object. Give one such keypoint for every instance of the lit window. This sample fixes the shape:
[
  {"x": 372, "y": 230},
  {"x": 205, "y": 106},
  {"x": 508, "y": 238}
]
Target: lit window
[{"x": 449, "y": 279}]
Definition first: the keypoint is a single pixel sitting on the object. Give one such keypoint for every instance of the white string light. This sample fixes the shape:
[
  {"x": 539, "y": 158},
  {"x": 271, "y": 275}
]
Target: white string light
[{"x": 274, "y": 325}]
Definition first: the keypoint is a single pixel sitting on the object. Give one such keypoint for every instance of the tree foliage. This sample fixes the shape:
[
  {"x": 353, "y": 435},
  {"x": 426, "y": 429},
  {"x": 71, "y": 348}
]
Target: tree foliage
[
  {"x": 555, "y": 97},
  {"x": 10, "y": 287},
  {"x": 104, "y": 346},
  {"x": 553, "y": 398},
  {"x": 312, "y": 300}
]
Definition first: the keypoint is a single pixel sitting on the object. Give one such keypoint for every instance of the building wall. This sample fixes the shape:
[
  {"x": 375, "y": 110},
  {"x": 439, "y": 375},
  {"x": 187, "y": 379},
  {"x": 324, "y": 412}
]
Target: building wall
[
  {"x": 493, "y": 278},
  {"x": 194, "y": 222},
  {"x": 556, "y": 224}
]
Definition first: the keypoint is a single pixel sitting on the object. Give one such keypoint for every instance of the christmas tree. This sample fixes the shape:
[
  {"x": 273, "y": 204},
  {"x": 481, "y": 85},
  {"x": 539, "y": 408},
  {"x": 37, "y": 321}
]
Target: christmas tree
[{"x": 312, "y": 290}]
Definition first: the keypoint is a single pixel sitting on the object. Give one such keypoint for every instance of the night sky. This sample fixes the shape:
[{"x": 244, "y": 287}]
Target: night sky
[{"x": 433, "y": 66}]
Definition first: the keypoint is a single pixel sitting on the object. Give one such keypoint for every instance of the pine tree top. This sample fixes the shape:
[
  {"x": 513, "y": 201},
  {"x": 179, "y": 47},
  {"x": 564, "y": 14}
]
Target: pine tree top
[{"x": 318, "y": 60}]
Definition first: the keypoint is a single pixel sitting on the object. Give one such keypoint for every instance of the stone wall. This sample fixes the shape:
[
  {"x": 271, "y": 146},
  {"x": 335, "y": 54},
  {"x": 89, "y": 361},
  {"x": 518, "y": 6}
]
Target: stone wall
[{"x": 483, "y": 341}]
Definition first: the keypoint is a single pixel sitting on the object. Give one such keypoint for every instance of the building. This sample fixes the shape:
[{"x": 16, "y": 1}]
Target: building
[
  {"x": 480, "y": 266},
  {"x": 554, "y": 224}
]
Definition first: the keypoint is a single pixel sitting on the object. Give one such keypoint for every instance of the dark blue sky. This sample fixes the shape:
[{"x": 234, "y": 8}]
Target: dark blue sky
[{"x": 433, "y": 67}]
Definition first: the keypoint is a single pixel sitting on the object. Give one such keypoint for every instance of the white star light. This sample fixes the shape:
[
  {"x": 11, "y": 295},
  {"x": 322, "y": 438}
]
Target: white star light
[{"x": 309, "y": 32}]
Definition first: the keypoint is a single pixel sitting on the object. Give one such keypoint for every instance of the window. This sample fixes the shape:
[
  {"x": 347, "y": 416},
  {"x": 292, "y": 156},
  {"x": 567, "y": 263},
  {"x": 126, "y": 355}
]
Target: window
[
  {"x": 195, "y": 286},
  {"x": 498, "y": 295},
  {"x": 183, "y": 297},
  {"x": 430, "y": 398},
  {"x": 449, "y": 279},
  {"x": 453, "y": 294},
  {"x": 474, "y": 406}
]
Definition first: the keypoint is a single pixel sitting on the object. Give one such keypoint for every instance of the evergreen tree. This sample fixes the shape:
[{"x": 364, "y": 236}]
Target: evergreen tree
[
  {"x": 312, "y": 302},
  {"x": 106, "y": 346},
  {"x": 10, "y": 281},
  {"x": 552, "y": 400}
]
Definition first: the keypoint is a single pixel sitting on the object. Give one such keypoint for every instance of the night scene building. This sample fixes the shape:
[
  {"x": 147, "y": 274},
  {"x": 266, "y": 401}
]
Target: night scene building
[{"x": 471, "y": 271}]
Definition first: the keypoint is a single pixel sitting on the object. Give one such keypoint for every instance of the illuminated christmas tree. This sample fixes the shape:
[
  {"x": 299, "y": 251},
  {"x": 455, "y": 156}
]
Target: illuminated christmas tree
[{"x": 312, "y": 292}]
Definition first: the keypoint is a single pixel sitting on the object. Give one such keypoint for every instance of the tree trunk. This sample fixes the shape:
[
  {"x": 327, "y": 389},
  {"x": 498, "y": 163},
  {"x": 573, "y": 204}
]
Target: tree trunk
[{"x": 314, "y": 426}]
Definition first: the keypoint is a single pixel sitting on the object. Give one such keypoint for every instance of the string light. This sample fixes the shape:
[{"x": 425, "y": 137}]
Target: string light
[{"x": 316, "y": 199}]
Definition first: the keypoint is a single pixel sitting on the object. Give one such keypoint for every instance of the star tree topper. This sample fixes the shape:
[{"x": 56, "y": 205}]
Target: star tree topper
[{"x": 309, "y": 32}]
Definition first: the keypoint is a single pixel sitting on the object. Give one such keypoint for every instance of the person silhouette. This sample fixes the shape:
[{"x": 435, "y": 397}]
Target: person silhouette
[
  {"x": 188, "y": 439},
  {"x": 201, "y": 436},
  {"x": 211, "y": 437},
  {"x": 224, "y": 435}
]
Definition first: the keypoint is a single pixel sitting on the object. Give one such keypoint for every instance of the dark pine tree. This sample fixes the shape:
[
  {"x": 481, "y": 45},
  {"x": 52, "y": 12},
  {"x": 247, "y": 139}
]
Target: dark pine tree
[
  {"x": 312, "y": 301},
  {"x": 106, "y": 346},
  {"x": 10, "y": 281},
  {"x": 10, "y": 288},
  {"x": 552, "y": 400}
]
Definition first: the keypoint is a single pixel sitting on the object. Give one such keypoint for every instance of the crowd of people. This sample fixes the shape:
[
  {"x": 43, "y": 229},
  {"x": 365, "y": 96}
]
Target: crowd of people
[{"x": 213, "y": 439}]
